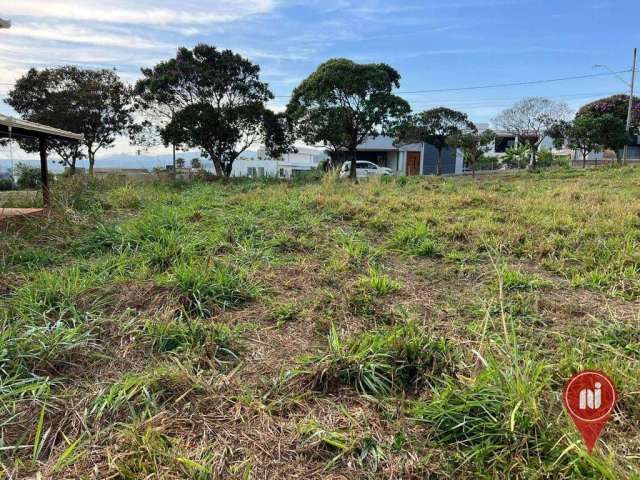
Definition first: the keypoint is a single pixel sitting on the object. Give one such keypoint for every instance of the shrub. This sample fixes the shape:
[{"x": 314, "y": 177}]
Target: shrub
[
  {"x": 28, "y": 176},
  {"x": 6, "y": 184}
]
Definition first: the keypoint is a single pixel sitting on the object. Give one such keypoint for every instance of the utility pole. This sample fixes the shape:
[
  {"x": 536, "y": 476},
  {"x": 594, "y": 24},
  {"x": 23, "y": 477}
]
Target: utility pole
[{"x": 629, "y": 113}]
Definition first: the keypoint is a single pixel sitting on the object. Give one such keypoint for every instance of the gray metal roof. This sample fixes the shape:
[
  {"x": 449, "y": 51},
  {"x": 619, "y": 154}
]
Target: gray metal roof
[{"x": 25, "y": 127}]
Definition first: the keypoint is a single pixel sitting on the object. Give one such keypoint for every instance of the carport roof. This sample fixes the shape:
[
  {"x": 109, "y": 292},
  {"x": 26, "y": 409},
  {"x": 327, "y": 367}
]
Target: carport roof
[{"x": 32, "y": 129}]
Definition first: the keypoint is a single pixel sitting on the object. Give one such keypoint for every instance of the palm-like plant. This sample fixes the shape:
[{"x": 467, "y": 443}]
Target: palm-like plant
[{"x": 518, "y": 156}]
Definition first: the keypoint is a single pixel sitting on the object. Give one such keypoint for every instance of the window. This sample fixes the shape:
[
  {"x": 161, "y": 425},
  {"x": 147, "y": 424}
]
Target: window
[
  {"x": 362, "y": 164},
  {"x": 251, "y": 172},
  {"x": 261, "y": 171}
]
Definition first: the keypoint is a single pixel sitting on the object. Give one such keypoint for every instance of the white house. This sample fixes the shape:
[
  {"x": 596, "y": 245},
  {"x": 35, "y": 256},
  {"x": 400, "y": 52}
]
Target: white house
[{"x": 287, "y": 166}]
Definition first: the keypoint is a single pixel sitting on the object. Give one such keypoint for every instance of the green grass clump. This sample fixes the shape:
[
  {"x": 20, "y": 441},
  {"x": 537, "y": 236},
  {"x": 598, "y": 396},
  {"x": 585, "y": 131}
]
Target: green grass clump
[
  {"x": 28, "y": 349},
  {"x": 505, "y": 422},
  {"x": 286, "y": 312},
  {"x": 212, "y": 287},
  {"x": 143, "y": 451},
  {"x": 416, "y": 240},
  {"x": 516, "y": 280},
  {"x": 379, "y": 284},
  {"x": 53, "y": 293},
  {"x": 387, "y": 360},
  {"x": 140, "y": 396},
  {"x": 217, "y": 343},
  {"x": 125, "y": 197}
]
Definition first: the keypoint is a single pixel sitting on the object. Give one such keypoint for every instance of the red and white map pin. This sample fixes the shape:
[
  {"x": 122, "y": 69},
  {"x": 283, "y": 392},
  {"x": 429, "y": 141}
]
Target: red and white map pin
[{"x": 589, "y": 398}]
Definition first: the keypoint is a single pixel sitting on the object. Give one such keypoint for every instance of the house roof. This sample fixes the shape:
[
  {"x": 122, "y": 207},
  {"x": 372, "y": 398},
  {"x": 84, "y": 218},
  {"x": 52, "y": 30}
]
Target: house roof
[{"x": 32, "y": 129}]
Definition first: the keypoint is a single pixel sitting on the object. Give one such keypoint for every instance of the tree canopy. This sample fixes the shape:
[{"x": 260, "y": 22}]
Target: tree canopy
[
  {"x": 433, "y": 126},
  {"x": 343, "y": 103},
  {"x": 531, "y": 119},
  {"x": 617, "y": 105},
  {"x": 221, "y": 105},
  {"x": 475, "y": 145},
  {"x": 582, "y": 134},
  {"x": 42, "y": 96},
  {"x": 95, "y": 103}
]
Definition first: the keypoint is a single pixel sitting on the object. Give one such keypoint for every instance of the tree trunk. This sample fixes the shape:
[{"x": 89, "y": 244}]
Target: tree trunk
[
  {"x": 217, "y": 165},
  {"x": 92, "y": 161},
  {"x": 439, "y": 163},
  {"x": 534, "y": 155},
  {"x": 174, "y": 160},
  {"x": 353, "y": 175},
  {"x": 584, "y": 160},
  {"x": 473, "y": 170}
]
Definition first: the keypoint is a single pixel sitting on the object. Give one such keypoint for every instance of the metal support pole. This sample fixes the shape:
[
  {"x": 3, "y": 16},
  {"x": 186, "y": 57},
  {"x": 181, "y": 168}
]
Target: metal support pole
[
  {"x": 630, "y": 112},
  {"x": 44, "y": 173}
]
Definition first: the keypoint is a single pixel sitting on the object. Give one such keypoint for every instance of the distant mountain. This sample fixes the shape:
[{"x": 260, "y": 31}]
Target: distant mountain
[{"x": 121, "y": 160}]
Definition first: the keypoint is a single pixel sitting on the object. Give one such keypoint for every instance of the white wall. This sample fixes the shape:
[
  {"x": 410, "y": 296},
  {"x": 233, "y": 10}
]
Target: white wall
[{"x": 241, "y": 167}]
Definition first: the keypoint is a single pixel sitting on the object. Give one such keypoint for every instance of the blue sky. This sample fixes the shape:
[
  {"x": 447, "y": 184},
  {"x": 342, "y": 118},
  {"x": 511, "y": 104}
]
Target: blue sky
[{"x": 433, "y": 44}]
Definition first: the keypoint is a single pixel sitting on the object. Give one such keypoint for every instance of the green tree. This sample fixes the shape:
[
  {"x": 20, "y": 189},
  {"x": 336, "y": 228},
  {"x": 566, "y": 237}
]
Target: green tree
[
  {"x": 180, "y": 162},
  {"x": 531, "y": 120},
  {"x": 195, "y": 163},
  {"x": 433, "y": 126},
  {"x": 222, "y": 106},
  {"x": 612, "y": 133},
  {"x": 474, "y": 145},
  {"x": 158, "y": 95},
  {"x": 615, "y": 106},
  {"x": 583, "y": 134},
  {"x": 43, "y": 96},
  {"x": 343, "y": 103}
]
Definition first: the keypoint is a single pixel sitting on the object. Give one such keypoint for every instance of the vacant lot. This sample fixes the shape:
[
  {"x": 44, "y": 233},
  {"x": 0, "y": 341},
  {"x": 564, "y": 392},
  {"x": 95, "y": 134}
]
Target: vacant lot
[{"x": 414, "y": 328}]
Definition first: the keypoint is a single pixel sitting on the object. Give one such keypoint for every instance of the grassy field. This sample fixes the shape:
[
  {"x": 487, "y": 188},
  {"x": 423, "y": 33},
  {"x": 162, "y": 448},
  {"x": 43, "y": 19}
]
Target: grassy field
[{"x": 409, "y": 328}]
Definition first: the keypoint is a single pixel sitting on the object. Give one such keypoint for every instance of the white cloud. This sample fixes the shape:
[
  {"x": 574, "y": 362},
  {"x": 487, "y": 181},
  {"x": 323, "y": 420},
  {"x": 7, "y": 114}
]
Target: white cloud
[
  {"x": 144, "y": 12},
  {"x": 83, "y": 35}
]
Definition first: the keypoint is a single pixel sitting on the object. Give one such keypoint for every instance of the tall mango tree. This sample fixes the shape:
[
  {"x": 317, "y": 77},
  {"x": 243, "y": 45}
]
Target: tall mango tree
[{"x": 343, "y": 103}]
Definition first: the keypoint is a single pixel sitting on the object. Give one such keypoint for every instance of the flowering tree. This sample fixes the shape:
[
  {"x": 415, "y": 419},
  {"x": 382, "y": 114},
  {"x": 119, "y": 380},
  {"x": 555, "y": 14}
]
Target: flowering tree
[{"x": 617, "y": 105}]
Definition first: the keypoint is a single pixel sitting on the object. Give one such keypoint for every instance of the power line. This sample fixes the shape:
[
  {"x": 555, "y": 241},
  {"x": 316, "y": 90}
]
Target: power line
[
  {"x": 500, "y": 85},
  {"x": 479, "y": 87}
]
